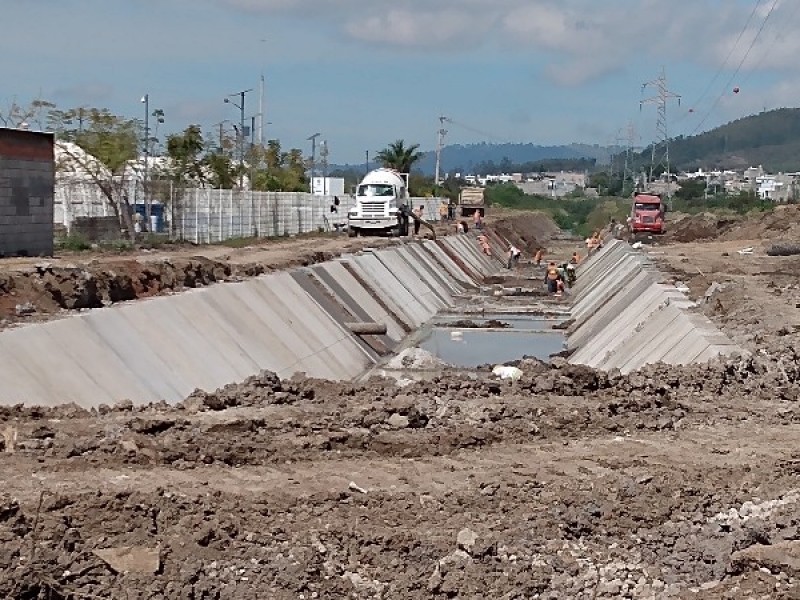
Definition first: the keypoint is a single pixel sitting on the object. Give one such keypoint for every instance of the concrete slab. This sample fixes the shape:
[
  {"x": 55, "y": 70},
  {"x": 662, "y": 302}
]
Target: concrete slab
[
  {"x": 599, "y": 318},
  {"x": 429, "y": 274},
  {"x": 434, "y": 270},
  {"x": 470, "y": 271},
  {"x": 390, "y": 290},
  {"x": 358, "y": 299},
  {"x": 441, "y": 257},
  {"x": 333, "y": 352},
  {"x": 423, "y": 293}
]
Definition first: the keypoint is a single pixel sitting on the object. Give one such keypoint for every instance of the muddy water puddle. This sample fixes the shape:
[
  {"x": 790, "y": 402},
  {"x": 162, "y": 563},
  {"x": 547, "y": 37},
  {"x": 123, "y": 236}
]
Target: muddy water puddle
[{"x": 519, "y": 336}]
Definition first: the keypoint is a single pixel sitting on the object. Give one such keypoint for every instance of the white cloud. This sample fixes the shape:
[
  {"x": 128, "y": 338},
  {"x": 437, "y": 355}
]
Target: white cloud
[
  {"x": 421, "y": 29},
  {"x": 582, "y": 40}
]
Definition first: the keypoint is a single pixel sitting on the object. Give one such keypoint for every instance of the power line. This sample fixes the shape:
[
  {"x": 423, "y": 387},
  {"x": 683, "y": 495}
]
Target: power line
[
  {"x": 739, "y": 67},
  {"x": 779, "y": 33},
  {"x": 727, "y": 58},
  {"x": 476, "y": 131}
]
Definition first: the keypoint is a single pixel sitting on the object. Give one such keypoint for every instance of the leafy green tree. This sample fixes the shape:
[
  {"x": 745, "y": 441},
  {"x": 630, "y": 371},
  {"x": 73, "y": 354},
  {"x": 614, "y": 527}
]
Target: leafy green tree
[
  {"x": 109, "y": 143},
  {"x": 397, "y": 156},
  {"x": 222, "y": 173},
  {"x": 185, "y": 151},
  {"x": 691, "y": 189}
]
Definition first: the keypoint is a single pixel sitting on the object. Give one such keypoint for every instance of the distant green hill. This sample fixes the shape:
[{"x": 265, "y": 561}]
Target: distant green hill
[{"x": 770, "y": 139}]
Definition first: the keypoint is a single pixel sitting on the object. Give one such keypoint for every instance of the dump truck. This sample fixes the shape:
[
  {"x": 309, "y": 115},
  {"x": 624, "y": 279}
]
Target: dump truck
[
  {"x": 647, "y": 214},
  {"x": 379, "y": 198},
  {"x": 472, "y": 199}
]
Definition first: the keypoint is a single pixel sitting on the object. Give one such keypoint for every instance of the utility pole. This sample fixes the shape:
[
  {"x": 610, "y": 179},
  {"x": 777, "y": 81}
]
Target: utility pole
[
  {"x": 439, "y": 143},
  {"x": 313, "y": 140},
  {"x": 662, "y": 96},
  {"x": 147, "y": 209},
  {"x": 260, "y": 139},
  {"x": 323, "y": 156},
  {"x": 366, "y": 164},
  {"x": 631, "y": 140},
  {"x": 240, "y": 106}
]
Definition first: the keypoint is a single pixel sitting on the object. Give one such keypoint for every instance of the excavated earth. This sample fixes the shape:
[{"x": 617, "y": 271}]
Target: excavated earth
[{"x": 567, "y": 483}]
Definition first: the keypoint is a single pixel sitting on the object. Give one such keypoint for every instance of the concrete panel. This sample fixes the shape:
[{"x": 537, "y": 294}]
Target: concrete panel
[
  {"x": 456, "y": 272},
  {"x": 471, "y": 272},
  {"x": 623, "y": 318},
  {"x": 333, "y": 351},
  {"x": 411, "y": 280},
  {"x": 358, "y": 299},
  {"x": 620, "y": 329},
  {"x": 386, "y": 286},
  {"x": 435, "y": 271},
  {"x": 429, "y": 275},
  {"x": 391, "y": 287},
  {"x": 668, "y": 328},
  {"x": 589, "y": 323},
  {"x": 466, "y": 249}
]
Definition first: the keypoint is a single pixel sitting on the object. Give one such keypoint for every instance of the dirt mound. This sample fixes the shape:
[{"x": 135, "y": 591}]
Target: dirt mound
[
  {"x": 527, "y": 231},
  {"x": 553, "y": 486},
  {"x": 704, "y": 226},
  {"x": 779, "y": 224}
]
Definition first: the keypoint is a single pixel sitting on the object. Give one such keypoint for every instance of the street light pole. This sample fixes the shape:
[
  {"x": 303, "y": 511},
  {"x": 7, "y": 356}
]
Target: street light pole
[
  {"x": 146, "y": 102},
  {"x": 240, "y": 106},
  {"x": 313, "y": 140}
]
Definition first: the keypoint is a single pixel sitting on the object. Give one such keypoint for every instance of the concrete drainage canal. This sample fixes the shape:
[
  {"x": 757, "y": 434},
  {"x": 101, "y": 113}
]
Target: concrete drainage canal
[{"x": 405, "y": 311}]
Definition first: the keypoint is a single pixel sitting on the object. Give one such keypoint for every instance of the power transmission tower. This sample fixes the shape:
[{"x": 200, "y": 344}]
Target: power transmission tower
[
  {"x": 662, "y": 96},
  {"x": 439, "y": 143}
]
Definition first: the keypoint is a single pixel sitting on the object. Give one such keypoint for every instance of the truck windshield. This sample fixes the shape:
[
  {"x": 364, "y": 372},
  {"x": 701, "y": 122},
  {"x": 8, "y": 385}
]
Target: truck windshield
[
  {"x": 375, "y": 189},
  {"x": 647, "y": 206}
]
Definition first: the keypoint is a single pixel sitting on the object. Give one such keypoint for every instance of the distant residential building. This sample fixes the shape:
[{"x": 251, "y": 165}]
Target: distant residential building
[{"x": 777, "y": 188}]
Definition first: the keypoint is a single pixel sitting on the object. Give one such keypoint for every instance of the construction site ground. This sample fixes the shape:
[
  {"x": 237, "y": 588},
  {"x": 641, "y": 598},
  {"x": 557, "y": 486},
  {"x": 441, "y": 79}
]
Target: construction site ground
[{"x": 674, "y": 482}]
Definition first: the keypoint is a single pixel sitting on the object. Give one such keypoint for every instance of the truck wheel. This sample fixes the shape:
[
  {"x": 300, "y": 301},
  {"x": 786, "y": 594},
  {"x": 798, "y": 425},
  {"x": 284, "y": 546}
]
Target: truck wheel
[{"x": 352, "y": 232}]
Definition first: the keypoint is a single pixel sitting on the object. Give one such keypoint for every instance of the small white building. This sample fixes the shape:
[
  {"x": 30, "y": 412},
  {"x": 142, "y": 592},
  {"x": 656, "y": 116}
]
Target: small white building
[{"x": 327, "y": 186}]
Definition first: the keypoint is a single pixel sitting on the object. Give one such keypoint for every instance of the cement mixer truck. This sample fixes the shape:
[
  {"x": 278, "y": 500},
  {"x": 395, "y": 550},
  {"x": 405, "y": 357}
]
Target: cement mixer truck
[{"x": 379, "y": 198}]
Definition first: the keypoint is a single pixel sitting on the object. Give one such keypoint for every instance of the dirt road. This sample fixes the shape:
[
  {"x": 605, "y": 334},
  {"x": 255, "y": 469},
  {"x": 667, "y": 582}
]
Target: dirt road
[{"x": 669, "y": 483}]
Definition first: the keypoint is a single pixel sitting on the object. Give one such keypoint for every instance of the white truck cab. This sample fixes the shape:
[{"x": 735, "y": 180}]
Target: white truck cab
[{"x": 379, "y": 197}]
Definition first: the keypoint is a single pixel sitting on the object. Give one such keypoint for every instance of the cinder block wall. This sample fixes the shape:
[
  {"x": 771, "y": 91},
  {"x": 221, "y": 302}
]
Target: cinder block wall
[{"x": 27, "y": 182}]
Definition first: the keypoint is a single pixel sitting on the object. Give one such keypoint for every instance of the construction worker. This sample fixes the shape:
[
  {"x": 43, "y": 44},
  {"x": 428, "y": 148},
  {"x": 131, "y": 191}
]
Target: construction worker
[
  {"x": 478, "y": 219},
  {"x": 484, "y": 242},
  {"x": 417, "y": 214},
  {"x": 538, "y": 257},
  {"x": 576, "y": 258},
  {"x": 513, "y": 256},
  {"x": 568, "y": 273},
  {"x": 552, "y": 277}
]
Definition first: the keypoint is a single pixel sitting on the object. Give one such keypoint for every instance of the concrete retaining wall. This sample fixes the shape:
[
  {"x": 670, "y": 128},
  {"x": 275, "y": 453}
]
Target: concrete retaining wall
[
  {"x": 287, "y": 322},
  {"x": 624, "y": 318}
]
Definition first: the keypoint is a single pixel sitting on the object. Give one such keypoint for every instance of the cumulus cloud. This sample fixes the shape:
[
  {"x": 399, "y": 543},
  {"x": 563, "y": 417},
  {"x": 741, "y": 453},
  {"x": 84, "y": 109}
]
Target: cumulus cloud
[
  {"x": 583, "y": 41},
  {"x": 422, "y": 29}
]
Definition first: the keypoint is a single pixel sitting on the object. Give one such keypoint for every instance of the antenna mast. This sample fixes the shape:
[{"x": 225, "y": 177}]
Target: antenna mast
[
  {"x": 439, "y": 143},
  {"x": 662, "y": 96}
]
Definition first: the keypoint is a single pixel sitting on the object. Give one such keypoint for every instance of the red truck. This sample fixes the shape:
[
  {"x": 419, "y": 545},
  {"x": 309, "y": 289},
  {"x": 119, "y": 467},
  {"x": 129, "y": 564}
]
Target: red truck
[{"x": 647, "y": 214}]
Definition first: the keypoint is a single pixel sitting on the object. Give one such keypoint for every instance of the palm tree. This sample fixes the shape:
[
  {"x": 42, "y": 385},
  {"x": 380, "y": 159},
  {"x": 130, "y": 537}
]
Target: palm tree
[{"x": 397, "y": 156}]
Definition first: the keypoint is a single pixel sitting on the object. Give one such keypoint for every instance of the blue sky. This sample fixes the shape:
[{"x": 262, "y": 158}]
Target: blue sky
[{"x": 366, "y": 72}]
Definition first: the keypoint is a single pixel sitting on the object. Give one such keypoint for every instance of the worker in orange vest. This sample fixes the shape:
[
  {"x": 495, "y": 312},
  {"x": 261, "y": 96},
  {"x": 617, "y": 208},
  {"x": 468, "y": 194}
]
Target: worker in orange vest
[{"x": 538, "y": 256}]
